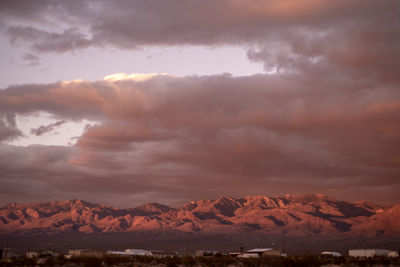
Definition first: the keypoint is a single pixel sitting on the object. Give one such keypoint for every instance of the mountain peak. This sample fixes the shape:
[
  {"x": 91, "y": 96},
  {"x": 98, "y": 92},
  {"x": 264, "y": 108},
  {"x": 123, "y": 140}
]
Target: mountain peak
[
  {"x": 297, "y": 216},
  {"x": 153, "y": 207},
  {"x": 308, "y": 198},
  {"x": 78, "y": 203}
]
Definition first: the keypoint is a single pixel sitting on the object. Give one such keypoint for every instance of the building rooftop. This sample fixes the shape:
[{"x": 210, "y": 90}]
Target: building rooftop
[{"x": 259, "y": 250}]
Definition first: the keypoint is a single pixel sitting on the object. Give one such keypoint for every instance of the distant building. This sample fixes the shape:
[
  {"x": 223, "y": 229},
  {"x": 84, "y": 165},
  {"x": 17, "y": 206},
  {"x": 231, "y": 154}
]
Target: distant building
[
  {"x": 264, "y": 252},
  {"x": 117, "y": 253},
  {"x": 393, "y": 254},
  {"x": 247, "y": 255},
  {"x": 257, "y": 252},
  {"x": 331, "y": 253},
  {"x": 85, "y": 253},
  {"x": 131, "y": 252},
  {"x": 138, "y": 252},
  {"x": 369, "y": 252},
  {"x": 48, "y": 253}
]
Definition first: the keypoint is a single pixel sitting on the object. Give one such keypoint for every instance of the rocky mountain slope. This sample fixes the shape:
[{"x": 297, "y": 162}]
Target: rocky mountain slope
[{"x": 309, "y": 215}]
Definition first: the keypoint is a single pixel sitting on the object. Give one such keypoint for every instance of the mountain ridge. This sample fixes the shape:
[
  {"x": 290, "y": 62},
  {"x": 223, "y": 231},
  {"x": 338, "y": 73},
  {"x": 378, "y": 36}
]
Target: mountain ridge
[{"x": 307, "y": 215}]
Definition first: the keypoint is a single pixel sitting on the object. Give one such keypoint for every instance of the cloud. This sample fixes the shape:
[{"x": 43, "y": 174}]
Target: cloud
[
  {"x": 324, "y": 118},
  {"x": 357, "y": 38},
  {"x": 46, "y": 128},
  {"x": 354, "y": 50},
  {"x": 8, "y": 127},
  {"x": 206, "y": 136},
  {"x": 43, "y": 41},
  {"x": 134, "y": 76},
  {"x": 31, "y": 59},
  {"x": 56, "y": 98},
  {"x": 142, "y": 23}
]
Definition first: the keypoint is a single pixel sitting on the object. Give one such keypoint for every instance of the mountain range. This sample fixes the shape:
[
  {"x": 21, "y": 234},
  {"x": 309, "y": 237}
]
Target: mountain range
[{"x": 307, "y": 215}]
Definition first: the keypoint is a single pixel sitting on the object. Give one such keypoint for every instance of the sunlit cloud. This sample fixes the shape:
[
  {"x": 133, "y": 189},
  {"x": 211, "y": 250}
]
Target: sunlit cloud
[
  {"x": 274, "y": 132},
  {"x": 139, "y": 77}
]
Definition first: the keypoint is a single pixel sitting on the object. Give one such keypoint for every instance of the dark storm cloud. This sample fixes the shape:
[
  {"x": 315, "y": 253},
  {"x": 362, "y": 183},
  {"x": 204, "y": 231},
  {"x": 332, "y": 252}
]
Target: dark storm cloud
[
  {"x": 46, "y": 128},
  {"x": 209, "y": 135}
]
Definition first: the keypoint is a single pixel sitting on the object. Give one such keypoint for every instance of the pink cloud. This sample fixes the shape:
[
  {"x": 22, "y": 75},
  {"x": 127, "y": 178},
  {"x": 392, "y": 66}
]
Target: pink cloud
[{"x": 271, "y": 133}]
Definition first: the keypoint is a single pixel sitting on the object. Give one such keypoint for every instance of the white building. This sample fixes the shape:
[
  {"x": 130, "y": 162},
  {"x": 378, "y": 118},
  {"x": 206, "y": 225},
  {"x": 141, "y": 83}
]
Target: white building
[
  {"x": 131, "y": 252},
  {"x": 265, "y": 252},
  {"x": 331, "y": 253},
  {"x": 138, "y": 252},
  {"x": 368, "y": 252},
  {"x": 393, "y": 254},
  {"x": 247, "y": 255}
]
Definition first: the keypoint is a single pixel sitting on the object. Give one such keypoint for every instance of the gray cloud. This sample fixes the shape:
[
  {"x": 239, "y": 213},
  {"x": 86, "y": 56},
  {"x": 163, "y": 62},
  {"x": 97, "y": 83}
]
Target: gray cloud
[
  {"x": 317, "y": 37},
  {"x": 46, "y": 128},
  {"x": 131, "y": 24},
  {"x": 8, "y": 127},
  {"x": 361, "y": 52},
  {"x": 43, "y": 41},
  {"x": 31, "y": 59}
]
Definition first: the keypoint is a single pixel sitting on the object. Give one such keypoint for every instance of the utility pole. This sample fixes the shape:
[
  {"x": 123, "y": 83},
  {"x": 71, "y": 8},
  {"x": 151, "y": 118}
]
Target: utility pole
[{"x": 6, "y": 250}]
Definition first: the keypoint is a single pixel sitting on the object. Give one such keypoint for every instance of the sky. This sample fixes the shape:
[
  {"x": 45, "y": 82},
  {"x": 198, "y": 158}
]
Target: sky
[{"x": 126, "y": 102}]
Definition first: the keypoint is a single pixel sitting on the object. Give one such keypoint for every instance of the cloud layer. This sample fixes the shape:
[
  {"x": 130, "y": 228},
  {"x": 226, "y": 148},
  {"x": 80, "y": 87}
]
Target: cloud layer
[
  {"x": 204, "y": 136},
  {"x": 287, "y": 34},
  {"x": 325, "y": 118}
]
